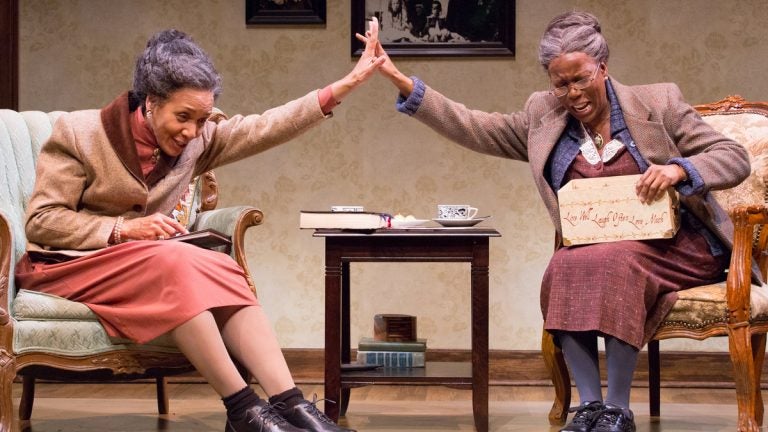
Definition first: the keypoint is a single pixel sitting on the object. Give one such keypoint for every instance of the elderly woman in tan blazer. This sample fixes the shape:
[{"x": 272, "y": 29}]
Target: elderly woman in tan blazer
[
  {"x": 107, "y": 184},
  {"x": 590, "y": 125}
]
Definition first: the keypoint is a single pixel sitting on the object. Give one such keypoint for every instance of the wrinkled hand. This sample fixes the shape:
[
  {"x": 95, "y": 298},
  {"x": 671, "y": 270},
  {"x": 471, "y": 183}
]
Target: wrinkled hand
[
  {"x": 656, "y": 180},
  {"x": 153, "y": 227}
]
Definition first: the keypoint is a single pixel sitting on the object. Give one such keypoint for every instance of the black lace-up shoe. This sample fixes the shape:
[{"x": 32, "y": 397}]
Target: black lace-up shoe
[
  {"x": 306, "y": 415},
  {"x": 615, "y": 419},
  {"x": 584, "y": 418},
  {"x": 261, "y": 417}
]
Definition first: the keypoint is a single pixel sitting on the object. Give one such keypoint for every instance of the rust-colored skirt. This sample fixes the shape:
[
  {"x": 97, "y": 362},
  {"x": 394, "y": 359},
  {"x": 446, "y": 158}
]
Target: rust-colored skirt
[
  {"x": 626, "y": 288},
  {"x": 143, "y": 289}
]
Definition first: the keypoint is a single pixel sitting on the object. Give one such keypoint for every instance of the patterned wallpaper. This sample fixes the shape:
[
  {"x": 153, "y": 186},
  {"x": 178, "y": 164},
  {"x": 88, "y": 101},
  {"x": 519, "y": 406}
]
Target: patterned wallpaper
[{"x": 79, "y": 54}]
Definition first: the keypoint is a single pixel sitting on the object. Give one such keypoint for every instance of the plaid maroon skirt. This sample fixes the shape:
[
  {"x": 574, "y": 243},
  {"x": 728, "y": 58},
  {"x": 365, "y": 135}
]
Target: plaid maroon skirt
[{"x": 626, "y": 288}]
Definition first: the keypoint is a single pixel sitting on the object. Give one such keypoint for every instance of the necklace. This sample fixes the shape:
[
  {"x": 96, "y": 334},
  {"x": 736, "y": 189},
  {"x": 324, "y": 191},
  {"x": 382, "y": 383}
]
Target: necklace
[{"x": 597, "y": 139}]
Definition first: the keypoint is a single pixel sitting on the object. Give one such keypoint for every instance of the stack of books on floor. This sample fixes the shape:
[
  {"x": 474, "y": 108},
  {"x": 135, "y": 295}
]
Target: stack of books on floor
[{"x": 391, "y": 354}]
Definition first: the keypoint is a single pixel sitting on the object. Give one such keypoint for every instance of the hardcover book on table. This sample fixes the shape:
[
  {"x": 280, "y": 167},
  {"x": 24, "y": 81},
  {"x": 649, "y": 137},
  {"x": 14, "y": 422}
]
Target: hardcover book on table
[
  {"x": 343, "y": 220},
  {"x": 391, "y": 359},
  {"x": 371, "y": 344}
]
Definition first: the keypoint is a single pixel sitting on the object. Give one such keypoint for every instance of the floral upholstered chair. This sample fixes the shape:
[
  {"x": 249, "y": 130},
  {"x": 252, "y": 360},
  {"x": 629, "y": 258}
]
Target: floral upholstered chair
[
  {"x": 736, "y": 308},
  {"x": 44, "y": 336}
]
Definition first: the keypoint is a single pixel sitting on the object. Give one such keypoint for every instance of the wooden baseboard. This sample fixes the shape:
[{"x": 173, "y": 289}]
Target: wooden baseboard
[
  {"x": 678, "y": 369},
  {"x": 526, "y": 368}
]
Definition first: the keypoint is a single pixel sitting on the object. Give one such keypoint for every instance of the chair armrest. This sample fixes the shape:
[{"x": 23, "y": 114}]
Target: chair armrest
[
  {"x": 6, "y": 252},
  {"x": 232, "y": 221},
  {"x": 739, "y": 281}
]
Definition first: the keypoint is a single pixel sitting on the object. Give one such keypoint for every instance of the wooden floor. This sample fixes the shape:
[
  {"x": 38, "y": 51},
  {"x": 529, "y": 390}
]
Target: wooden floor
[{"x": 195, "y": 407}]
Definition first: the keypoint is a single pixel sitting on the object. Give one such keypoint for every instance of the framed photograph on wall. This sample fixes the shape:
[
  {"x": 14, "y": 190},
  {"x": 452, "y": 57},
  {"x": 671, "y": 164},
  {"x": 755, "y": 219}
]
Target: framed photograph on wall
[
  {"x": 438, "y": 27},
  {"x": 284, "y": 12}
]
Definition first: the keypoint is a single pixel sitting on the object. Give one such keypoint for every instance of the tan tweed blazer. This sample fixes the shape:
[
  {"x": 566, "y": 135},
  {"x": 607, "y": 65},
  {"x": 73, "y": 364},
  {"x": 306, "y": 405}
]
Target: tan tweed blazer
[
  {"x": 661, "y": 123},
  {"x": 88, "y": 171}
]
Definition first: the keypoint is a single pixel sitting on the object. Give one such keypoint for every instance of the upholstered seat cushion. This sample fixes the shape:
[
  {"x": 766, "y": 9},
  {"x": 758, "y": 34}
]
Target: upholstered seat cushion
[
  {"x": 36, "y": 306},
  {"x": 38, "y": 319},
  {"x": 705, "y": 305}
]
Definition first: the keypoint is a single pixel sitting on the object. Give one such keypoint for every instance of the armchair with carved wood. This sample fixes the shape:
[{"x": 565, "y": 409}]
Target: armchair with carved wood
[
  {"x": 736, "y": 308},
  {"x": 48, "y": 337}
]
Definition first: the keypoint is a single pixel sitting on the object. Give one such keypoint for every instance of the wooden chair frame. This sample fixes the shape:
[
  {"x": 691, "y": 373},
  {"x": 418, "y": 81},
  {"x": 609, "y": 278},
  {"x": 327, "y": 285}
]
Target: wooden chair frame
[{"x": 747, "y": 339}]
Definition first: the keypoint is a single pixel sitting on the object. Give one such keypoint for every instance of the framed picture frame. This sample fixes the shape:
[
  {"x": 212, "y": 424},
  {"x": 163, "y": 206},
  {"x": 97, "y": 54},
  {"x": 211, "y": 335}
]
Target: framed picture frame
[
  {"x": 438, "y": 28},
  {"x": 284, "y": 12}
]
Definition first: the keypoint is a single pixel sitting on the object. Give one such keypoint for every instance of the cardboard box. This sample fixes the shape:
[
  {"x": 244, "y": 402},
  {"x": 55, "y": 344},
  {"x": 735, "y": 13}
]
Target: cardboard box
[{"x": 607, "y": 209}]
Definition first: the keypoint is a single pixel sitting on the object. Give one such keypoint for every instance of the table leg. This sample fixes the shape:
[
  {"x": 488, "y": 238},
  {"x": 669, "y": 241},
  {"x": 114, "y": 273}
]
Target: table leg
[
  {"x": 332, "y": 329},
  {"x": 345, "y": 333},
  {"x": 480, "y": 335}
]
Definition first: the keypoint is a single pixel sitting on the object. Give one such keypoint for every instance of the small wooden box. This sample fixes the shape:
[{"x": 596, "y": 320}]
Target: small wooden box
[
  {"x": 607, "y": 209},
  {"x": 394, "y": 328}
]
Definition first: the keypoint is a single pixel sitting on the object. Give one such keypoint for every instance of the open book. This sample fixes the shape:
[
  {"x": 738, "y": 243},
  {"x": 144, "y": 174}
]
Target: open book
[
  {"x": 208, "y": 238},
  {"x": 343, "y": 220}
]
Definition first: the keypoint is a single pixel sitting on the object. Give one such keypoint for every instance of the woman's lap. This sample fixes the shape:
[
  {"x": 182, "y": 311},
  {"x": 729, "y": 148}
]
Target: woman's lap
[{"x": 143, "y": 289}]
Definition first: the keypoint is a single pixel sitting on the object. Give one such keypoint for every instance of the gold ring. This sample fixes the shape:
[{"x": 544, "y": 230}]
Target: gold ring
[{"x": 161, "y": 237}]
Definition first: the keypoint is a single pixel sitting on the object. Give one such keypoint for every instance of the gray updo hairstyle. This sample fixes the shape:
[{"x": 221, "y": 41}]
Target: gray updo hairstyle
[
  {"x": 572, "y": 32},
  {"x": 172, "y": 61}
]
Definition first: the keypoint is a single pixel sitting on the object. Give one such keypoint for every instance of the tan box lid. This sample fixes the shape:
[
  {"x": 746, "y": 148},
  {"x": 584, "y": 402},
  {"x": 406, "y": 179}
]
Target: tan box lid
[{"x": 606, "y": 209}]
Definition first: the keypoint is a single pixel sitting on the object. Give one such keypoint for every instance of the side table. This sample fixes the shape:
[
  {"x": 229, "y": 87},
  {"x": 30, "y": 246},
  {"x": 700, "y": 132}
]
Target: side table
[{"x": 405, "y": 245}]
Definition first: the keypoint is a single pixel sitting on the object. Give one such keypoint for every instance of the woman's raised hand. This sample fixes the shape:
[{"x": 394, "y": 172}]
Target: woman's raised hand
[
  {"x": 364, "y": 68},
  {"x": 388, "y": 68}
]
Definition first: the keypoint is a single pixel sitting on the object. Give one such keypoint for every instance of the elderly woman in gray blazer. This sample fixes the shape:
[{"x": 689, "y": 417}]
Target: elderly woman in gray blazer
[
  {"x": 108, "y": 183},
  {"x": 590, "y": 125}
]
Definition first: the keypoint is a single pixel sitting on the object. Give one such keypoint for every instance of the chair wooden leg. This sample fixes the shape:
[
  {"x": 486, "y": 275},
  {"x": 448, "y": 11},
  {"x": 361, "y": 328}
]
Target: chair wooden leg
[
  {"x": 27, "y": 397},
  {"x": 162, "y": 395},
  {"x": 740, "y": 345},
  {"x": 7, "y": 373},
  {"x": 758, "y": 357},
  {"x": 558, "y": 372},
  {"x": 654, "y": 378}
]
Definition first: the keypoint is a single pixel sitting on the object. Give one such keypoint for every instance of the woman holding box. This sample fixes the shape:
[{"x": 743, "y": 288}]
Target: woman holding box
[{"x": 590, "y": 125}]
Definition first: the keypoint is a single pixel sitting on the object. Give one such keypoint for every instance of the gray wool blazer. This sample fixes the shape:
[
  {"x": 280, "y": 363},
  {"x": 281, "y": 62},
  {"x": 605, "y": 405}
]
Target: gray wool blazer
[{"x": 661, "y": 123}]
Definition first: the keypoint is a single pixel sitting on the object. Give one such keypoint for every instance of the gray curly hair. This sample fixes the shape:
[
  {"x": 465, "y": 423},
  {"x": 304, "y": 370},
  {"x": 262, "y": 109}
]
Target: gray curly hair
[
  {"x": 572, "y": 32},
  {"x": 172, "y": 61}
]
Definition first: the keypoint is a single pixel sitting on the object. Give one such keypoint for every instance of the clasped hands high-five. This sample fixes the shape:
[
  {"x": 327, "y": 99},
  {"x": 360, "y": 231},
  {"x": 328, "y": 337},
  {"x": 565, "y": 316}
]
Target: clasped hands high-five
[{"x": 374, "y": 53}]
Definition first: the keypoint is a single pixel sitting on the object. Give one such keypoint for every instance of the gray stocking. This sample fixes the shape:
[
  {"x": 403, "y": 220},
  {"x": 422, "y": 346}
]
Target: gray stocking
[
  {"x": 622, "y": 361},
  {"x": 580, "y": 352}
]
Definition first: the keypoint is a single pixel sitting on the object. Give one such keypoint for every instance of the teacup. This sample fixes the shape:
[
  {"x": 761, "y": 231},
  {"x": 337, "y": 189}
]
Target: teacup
[{"x": 456, "y": 211}]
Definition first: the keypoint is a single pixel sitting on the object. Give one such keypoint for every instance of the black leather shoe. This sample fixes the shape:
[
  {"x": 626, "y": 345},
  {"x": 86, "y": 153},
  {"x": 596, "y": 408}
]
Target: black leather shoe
[
  {"x": 584, "y": 418},
  {"x": 615, "y": 419},
  {"x": 306, "y": 415},
  {"x": 261, "y": 417}
]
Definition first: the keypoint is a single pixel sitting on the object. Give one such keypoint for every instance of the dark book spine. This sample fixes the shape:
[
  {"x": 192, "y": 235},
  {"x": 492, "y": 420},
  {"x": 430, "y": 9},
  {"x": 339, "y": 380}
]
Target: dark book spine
[{"x": 391, "y": 346}]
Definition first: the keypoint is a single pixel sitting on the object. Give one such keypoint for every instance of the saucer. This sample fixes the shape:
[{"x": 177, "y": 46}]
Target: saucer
[
  {"x": 459, "y": 222},
  {"x": 408, "y": 223}
]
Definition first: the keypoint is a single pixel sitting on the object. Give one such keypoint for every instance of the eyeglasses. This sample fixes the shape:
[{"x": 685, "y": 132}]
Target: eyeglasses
[{"x": 578, "y": 85}]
